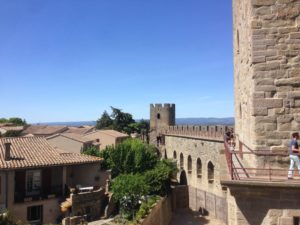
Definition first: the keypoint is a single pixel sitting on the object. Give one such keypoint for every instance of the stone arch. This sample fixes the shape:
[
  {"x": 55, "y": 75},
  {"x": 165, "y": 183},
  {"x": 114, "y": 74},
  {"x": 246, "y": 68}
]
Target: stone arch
[
  {"x": 181, "y": 163},
  {"x": 183, "y": 179},
  {"x": 210, "y": 172},
  {"x": 174, "y": 155},
  {"x": 199, "y": 168},
  {"x": 189, "y": 166}
]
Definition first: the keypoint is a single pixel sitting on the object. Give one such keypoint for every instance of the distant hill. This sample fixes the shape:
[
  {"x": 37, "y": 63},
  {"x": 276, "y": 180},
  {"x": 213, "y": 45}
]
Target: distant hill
[{"x": 179, "y": 121}]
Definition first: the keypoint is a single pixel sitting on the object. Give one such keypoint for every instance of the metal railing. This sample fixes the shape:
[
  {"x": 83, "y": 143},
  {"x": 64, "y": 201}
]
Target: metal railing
[
  {"x": 41, "y": 194},
  {"x": 268, "y": 172}
]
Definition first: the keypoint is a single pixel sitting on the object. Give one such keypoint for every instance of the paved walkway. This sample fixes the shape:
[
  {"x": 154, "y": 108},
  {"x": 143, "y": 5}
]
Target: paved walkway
[{"x": 193, "y": 218}]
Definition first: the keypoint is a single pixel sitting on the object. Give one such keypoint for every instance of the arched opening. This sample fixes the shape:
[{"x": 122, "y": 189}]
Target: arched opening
[
  {"x": 210, "y": 172},
  {"x": 165, "y": 155},
  {"x": 199, "y": 168},
  {"x": 158, "y": 116},
  {"x": 183, "y": 179},
  {"x": 181, "y": 161},
  {"x": 189, "y": 164},
  {"x": 174, "y": 155}
]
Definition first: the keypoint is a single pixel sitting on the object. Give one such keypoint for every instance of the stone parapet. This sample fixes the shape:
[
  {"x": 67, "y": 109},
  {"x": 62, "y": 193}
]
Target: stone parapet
[{"x": 206, "y": 132}]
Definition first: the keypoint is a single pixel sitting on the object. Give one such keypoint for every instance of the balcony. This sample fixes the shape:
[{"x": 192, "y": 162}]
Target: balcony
[
  {"x": 39, "y": 194},
  {"x": 258, "y": 167}
]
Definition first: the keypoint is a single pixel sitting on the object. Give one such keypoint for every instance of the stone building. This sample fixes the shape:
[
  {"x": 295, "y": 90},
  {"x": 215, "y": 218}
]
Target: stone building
[{"x": 249, "y": 184}]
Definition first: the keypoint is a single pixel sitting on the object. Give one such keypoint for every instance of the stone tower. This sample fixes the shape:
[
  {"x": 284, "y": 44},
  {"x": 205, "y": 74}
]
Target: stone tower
[
  {"x": 266, "y": 72},
  {"x": 161, "y": 116}
]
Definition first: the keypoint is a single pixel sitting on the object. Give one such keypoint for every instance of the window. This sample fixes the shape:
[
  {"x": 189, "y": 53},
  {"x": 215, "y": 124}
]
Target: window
[
  {"x": 181, "y": 161},
  {"x": 174, "y": 155},
  {"x": 33, "y": 182},
  {"x": 35, "y": 214},
  {"x": 189, "y": 164},
  {"x": 296, "y": 220},
  {"x": 210, "y": 172},
  {"x": 199, "y": 168},
  {"x": 158, "y": 116}
]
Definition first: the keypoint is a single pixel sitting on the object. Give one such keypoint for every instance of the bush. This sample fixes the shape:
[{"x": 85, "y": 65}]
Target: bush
[
  {"x": 131, "y": 156},
  {"x": 92, "y": 151},
  {"x": 159, "y": 177},
  {"x": 128, "y": 190},
  {"x": 146, "y": 206}
]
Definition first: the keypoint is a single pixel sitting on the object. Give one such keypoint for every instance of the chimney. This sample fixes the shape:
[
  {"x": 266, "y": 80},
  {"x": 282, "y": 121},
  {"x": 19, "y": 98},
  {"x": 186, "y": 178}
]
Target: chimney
[{"x": 7, "y": 151}]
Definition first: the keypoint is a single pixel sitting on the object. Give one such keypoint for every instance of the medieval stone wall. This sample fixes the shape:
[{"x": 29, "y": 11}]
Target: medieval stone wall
[
  {"x": 265, "y": 205},
  {"x": 204, "y": 191},
  {"x": 267, "y": 72},
  {"x": 209, "y": 132}
]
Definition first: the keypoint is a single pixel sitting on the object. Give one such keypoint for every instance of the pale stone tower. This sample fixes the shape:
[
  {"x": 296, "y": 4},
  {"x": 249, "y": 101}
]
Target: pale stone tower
[
  {"x": 161, "y": 116},
  {"x": 266, "y": 72}
]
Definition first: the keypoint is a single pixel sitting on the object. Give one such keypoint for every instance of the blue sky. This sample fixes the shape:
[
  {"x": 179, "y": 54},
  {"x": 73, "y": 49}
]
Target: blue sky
[{"x": 69, "y": 60}]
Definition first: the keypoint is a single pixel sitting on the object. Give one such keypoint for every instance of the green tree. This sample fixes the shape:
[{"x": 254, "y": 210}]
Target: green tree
[
  {"x": 14, "y": 120},
  {"x": 104, "y": 122},
  {"x": 121, "y": 120},
  {"x": 128, "y": 190},
  {"x": 159, "y": 178},
  {"x": 17, "y": 121},
  {"x": 3, "y": 120},
  {"x": 130, "y": 156},
  {"x": 92, "y": 151}
]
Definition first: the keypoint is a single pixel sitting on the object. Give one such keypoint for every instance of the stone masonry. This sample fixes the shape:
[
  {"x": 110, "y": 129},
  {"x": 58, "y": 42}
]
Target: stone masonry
[{"x": 266, "y": 72}]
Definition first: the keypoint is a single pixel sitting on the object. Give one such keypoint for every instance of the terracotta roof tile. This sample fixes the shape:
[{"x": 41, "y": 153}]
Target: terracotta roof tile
[
  {"x": 76, "y": 137},
  {"x": 28, "y": 152},
  {"x": 44, "y": 130},
  {"x": 79, "y": 130},
  {"x": 112, "y": 133}
]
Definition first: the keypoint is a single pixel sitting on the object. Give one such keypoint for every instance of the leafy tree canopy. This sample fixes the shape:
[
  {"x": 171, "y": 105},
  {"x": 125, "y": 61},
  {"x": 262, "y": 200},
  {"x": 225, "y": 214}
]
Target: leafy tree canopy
[
  {"x": 130, "y": 156},
  {"x": 128, "y": 189},
  {"x": 93, "y": 151},
  {"x": 14, "y": 120},
  {"x": 159, "y": 178},
  {"x": 104, "y": 122},
  {"x": 123, "y": 122}
]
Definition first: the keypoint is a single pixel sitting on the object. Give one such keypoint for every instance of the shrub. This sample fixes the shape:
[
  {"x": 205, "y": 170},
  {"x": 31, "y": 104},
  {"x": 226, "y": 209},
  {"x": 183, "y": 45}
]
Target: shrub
[{"x": 128, "y": 190}]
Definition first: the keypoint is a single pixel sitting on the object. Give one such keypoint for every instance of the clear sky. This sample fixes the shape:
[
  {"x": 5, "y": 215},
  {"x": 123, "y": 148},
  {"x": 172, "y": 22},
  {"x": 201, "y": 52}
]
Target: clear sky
[{"x": 69, "y": 60}]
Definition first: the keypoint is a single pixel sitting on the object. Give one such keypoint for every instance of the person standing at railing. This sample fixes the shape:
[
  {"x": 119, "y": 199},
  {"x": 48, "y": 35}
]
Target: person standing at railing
[{"x": 294, "y": 152}]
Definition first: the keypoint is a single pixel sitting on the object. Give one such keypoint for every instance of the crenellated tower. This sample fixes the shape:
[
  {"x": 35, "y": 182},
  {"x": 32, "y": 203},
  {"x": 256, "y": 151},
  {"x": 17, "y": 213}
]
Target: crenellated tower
[{"x": 161, "y": 116}]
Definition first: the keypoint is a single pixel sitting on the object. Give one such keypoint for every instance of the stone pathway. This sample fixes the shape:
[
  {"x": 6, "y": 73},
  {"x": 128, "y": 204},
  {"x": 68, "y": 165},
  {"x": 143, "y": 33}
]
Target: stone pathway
[{"x": 193, "y": 218}]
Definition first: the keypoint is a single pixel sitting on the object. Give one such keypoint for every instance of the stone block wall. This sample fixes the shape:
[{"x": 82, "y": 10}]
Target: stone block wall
[
  {"x": 89, "y": 203},
  {"x": 215, "y": 205},
  {"x": 161, "y": 214},
  {"x": 267, "y": 72},
  {"x": 265, "y": 205},
  {"x": 205, "y": 150}
]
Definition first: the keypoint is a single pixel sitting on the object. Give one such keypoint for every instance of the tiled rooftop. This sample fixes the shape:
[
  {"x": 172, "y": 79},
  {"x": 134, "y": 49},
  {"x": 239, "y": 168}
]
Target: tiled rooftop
[
  {"x": 29, "y": 152},
  {"x": 44, "y": 130},
  {"x": 112, "y": 133},
  {"x": 73, "y": 136}
]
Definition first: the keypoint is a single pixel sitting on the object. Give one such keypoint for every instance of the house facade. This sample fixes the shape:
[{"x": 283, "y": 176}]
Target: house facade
[
  {"x": 35, "y": 178},
  {"x": 106, "y": 137}
]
